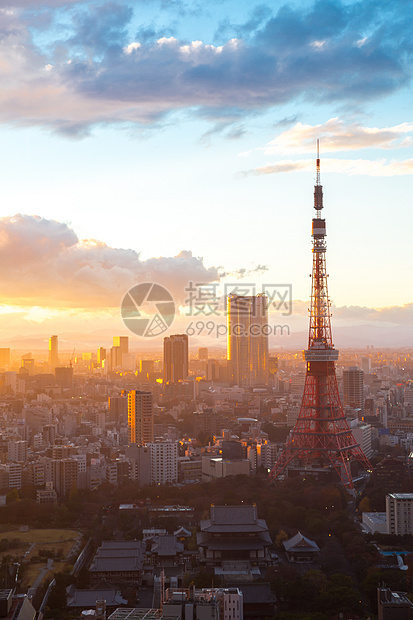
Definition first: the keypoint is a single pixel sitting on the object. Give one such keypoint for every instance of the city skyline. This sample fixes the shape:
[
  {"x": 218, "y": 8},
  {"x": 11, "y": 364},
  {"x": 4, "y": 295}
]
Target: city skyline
[{"x": 228, "y": 123}]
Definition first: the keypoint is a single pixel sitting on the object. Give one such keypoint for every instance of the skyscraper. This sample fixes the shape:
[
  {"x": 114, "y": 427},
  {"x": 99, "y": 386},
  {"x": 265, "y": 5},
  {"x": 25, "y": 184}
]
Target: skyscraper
[
  {"x": 203, "y": 354},
  {"x": 101, "y": 356},
  {"x": 247, "y": 340},
  {"x": 119, "y": 349},
  {"x": 366, "y": 365},
  {"x": 122, "y": 342},
  {"x": 353, "y": 388},
  {"x": 175, "y": 358},
  {"x": 53, "y": 351},
  {"x": 140, "y": 417}
]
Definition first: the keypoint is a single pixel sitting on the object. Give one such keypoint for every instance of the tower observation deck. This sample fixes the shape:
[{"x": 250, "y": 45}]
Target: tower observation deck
[{"x": 321, "y": 436}]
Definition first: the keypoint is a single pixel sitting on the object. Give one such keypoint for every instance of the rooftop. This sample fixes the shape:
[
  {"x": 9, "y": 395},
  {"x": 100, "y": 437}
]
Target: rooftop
[
  {"x": 138, "y": 614},
  {"x": 376, "y": 517},
  {"x": 88, "y": 598},
  {"x": 234, "y": 515},
  {"x": 301, "y": 542}
]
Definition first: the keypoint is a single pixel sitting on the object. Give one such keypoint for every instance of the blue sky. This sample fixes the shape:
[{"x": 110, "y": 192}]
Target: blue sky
[{"x": 178, "y": 138}]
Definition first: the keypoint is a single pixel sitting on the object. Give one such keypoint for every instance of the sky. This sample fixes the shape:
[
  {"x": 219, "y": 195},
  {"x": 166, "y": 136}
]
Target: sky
[{"x": 173, "y": 141}]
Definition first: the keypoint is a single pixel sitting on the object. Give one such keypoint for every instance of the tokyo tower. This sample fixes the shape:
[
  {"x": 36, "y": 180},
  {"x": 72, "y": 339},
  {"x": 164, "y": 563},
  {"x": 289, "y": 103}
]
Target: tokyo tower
[{"x": 321, "y": 436}]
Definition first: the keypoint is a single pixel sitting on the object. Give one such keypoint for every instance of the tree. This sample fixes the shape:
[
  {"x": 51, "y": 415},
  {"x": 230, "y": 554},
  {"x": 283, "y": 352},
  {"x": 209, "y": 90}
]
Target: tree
[
  {"x": 12, "y": 496},
  {"x": 57, "y": 597},
  {"x": 280, "y": 538},
  {"x": 364, "y": 505}
]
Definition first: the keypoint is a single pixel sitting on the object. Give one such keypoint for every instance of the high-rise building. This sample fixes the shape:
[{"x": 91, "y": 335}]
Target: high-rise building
[
  {"x": 353, "y": 388},
  {"x": 164, "y": 462},
  {"x": 122, "y": 342},
  {"x": 15, "y": 475},
  {"x": 247, "y": 344},
  {"x": 101, "y": 356},
  {"x": 64, "y": 474},
  {"x": 366, "y": 365},
  {"x": 399, "y": 512},
  {"x": 53, "y": 351},
  {"x": 119, "y": 349},
  {"x": 115, "y": 358},
  {"x": 17, "y": 451},
  {"x": 139, "y": 459},
  {"x": 118, "y": 409},
  {"x": 140, "y": 417},
  {"x": 212, "y": 370},
  {"x": 203, "y": 354},
  {"x": 175, "y": 358},
  {"x": 146, "y": 366},
  {"x": 27, "y": 364}
]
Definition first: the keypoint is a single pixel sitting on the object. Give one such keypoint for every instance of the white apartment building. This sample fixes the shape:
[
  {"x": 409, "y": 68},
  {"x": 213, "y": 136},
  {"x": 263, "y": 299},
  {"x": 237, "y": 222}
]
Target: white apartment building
[
  {"x": 363, "y": 435},
  {"x": 17, "y": 451},
  {"x": 269, "y": 454},
  {"x": 164, "y": 462},
  {"x": 399, "y": 512},
  {"x": 15, "y": 475}
]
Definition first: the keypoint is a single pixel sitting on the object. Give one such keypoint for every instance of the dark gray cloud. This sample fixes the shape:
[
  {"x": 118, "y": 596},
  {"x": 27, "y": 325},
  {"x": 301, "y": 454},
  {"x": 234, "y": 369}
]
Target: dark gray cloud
[{"x": 330, "y": 51}]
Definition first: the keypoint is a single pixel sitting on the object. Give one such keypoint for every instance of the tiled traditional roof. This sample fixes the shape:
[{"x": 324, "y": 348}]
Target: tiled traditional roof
[{"x": 300, "y": 543}]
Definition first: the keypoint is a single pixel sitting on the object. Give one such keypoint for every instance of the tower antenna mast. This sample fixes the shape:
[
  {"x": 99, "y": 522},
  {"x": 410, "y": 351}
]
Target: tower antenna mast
[{"x": 321, "y": 437}]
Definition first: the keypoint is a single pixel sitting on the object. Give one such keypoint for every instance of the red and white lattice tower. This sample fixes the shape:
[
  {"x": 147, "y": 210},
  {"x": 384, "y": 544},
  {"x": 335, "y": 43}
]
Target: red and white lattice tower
[{"x": 321, "y": 435}]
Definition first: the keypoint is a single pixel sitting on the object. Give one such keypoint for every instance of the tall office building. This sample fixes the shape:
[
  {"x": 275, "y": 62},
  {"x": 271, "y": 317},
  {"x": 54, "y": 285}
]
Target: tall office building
[
  {"x": 118, "y": 408},
  {"x": 164, "y": 462},
  {"x": 53, "y": 351},
  {"x": 247, "y": 344},
  {"x": 353, "y": 388},
  {"x": 62, "y": 473},
  {"x": 366, "y": 365},
  {"x": 28, "y": 364},
  {"x": 146, "y": 366},
  {"x": 122, "y": 342},
  {"x": 140, "y": 417},
  {"x": 101, "y": 356},
  {"x": 399, "y": 513},
  {"x": 203, "y": 354},
  {"x": 119, "y": 349},
  {"x": 175, "y": 358}
]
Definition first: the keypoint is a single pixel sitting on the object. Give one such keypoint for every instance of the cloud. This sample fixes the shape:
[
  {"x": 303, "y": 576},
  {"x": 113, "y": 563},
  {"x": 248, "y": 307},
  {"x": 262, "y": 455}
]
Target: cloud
[
  {"x": 339, "y": 135},
  {"x": 329, "y": 51},
  {"x": 243, "y": 272},
  {"x": 43, "y": 261},
  {"x": 396, "y": 315},
  {"x": 359, "y": 315},
  {"x": 352, "y": 167},
  {"x": 35, "y": 4}
]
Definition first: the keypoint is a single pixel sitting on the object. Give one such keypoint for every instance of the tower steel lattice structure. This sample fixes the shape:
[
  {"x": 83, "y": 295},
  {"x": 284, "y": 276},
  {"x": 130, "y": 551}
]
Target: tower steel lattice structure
[{"x": 321, "y": 435}]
